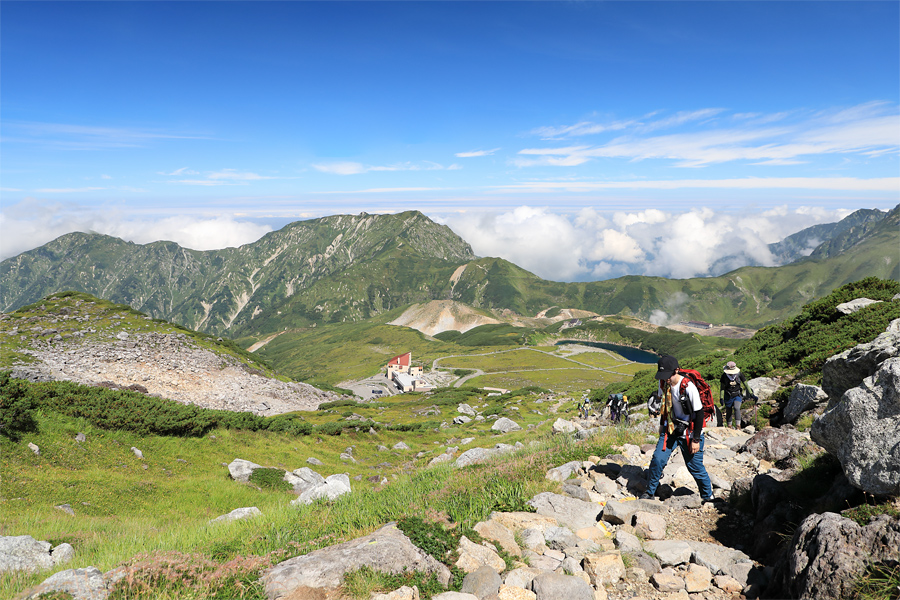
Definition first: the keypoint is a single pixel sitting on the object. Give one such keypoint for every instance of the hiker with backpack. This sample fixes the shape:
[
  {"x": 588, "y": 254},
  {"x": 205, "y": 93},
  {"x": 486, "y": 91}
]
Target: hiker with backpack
[
  {"x": 686, "y": 404},
  {"x": 731, "y": 395}
]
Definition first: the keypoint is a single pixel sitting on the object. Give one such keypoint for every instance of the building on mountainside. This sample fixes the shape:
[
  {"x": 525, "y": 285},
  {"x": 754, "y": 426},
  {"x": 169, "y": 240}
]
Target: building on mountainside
[
  {"x": 570, "y": 323},
  {"x": 406, "y": 376},
  {"x": 698, "y": 324}
]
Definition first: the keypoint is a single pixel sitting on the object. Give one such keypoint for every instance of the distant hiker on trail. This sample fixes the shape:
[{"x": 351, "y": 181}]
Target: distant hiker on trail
[
  {"x": 654, "y": 403},
  {"x": 680, "y": 424},
  {"x": 730, "y": 395},
  {"x": 586, "y": 407}
]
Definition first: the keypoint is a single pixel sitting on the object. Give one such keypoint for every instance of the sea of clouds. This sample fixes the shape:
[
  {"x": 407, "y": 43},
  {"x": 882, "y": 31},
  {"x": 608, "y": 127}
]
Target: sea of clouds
[{"x": 586, "y": 246}]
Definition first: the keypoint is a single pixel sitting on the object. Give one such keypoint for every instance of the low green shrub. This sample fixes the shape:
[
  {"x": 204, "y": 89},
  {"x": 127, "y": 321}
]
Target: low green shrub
[
  {"x": 16, "y": 407},
  {"x": 269, "y": 479}
]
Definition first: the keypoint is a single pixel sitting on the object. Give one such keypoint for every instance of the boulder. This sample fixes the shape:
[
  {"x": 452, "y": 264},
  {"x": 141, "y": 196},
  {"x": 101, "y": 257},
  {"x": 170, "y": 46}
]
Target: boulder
[
  {"x": 553, "y": 586},
  {"x": 240, "y": 469},
  {"x": 479, "y": 455},
  {"x": 563, "y": 426},
  {"x": 670, "y": 552},
  {"x": 481, "y": 582},
  {"x": 667, "y": 581},
  {"x": 848, "y": 369},
  {"x": 387, "y": 550},
  {"x": 303, "y": 479},
  {"x": 24, "y": 553},
  {"x": 717, "y": 558},
  {"x": 473, "y": 556},
  {"x": 774, "y": 444},
  {"x": 496, "y": 532},
  {"x": 509, "y": 592},
  {"x": 505, "y": 425},
  {"x": 238, "y": 514},
  {"x": 564, "y": 471},
  {"x": 604, "y": 568},
  {"x": 649, "y": 525},
  {"x": 466, "y": 410},
  {"x": 571, "y": 512},
  {"x": 333, "y": 487},
  {"x": 848, "y": 308},
  {"x": 861, "y": 431},
  {"x": 763, "y": 387},
  {"x": 803, "y": 397},
  {"x": 81, "y": 584},
  {"x": 461, "y": 419},
  {"x": 828, "y": 552}
]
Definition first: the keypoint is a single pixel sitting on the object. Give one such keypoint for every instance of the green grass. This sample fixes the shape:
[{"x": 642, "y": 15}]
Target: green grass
[{"x": 126, "y": 514}]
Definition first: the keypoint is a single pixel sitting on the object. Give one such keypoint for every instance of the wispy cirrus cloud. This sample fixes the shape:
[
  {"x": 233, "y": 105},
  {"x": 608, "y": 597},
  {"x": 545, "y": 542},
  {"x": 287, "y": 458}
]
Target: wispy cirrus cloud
[
  {"x": 65, "y": 136},
  {"x": 476, "y": 153},
  {"x": 357, "y": 168},
  {"x": 877, "y": 184},
  {"x": 218, "y": 178},
  {"x": 869, "y": 129}
]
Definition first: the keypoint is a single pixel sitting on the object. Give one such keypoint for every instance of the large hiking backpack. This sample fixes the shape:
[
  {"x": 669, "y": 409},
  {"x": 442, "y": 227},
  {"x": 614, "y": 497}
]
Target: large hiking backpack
[{"x": 706, "y": 397}]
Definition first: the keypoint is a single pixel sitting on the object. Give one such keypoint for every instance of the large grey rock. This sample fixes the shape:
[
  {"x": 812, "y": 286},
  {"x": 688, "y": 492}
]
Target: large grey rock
[
  {"x": 848, "y": 308},
  {"x": 560, "y": 538},
  {"x": 480, "y": 455},
  {"x": 718, "y": 559},
  {"x": 238, "y": 514},
  {"x": 564, "y": 471},
  {"x": 387, "y": 550},
  {"x": 774, "y": 444},
  {"x": 847, "y": 370},
  {"x": 82, "y": 584},
  {"x": 505, "y": 425},
  {"x": 481, "y": 582},
  {"x": 617, "y": 512},
  {"x": 466, "y": 410},
  {"x": 333, "y": 487},
  {"x": 828, "y": 552},
  {"x": 554, "y": 586},
  {"x": 861, "y": 431},
  {"x": 763, "y": 387},
  {"x": 670, "y": 552},
  {"x": 563, "y": 426},
  {"x": 303, "y": 479},
  {"x": 803, "y": 397},
  {"x": 573, "y": 513},
  {"x": 240, "y": 469},
  {"x": 24, "y": 553}
]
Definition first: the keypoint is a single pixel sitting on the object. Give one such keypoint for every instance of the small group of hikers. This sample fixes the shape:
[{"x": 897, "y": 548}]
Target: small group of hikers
[
  {"x": 616, "y": 407},
  {"x": 684, "y": 404}
]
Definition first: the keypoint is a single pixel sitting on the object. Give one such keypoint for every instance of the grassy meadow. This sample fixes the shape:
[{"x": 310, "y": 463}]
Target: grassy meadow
[{"x": 156, "y": 510}]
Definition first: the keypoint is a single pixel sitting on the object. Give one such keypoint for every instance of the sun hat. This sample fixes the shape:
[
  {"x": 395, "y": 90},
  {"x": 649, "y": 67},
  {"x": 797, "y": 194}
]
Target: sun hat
[{"x": 731, "y": 368}]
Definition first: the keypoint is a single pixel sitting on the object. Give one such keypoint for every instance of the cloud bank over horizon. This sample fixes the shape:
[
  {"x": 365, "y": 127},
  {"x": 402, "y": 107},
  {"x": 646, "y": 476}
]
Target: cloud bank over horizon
[{"x": 587, "y": 245}]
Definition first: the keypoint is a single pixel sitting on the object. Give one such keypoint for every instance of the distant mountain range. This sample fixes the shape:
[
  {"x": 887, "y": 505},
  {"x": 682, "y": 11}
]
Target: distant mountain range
[{"x": 354, "y": 267}]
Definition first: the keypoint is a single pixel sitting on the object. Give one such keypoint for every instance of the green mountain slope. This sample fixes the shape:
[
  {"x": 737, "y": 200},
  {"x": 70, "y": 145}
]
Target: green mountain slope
[
  {"x": 827, "y": 239},
  {"x": 340, "y": 267},
  {"x": 349, "y": 268}
]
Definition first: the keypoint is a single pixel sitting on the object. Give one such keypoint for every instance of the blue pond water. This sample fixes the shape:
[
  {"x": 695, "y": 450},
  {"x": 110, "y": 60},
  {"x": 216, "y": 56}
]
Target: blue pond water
[{"x": 632, "y": 354}]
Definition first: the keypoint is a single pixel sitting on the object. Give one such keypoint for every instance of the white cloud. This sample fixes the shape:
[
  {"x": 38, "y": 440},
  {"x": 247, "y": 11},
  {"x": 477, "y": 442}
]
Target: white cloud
[
  {"x": 880, "y": 184},
  {"x": 591, "y": 245},
  {"x": 68, "y": 190},
  {"x": 355, "y": 168},
  {"x": 33, "y": 222},
  {"x": 476, "y": 153},
  {"x": 216, "y": 178},
  {"x": 869, "y": 129}
]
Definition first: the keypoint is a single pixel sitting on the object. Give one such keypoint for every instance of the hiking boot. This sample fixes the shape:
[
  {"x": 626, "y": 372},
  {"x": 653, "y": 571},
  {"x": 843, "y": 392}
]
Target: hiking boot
[
  {"x": 646, "y": 496},
  {"x": 716, "y": 502}
]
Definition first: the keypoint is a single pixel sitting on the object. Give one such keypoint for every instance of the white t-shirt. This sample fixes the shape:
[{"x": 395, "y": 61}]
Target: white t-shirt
[{"x": 692, "y": 394}]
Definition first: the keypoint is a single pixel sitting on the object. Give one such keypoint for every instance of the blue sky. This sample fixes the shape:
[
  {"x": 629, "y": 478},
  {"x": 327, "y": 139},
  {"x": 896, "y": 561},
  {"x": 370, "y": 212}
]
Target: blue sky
[{"x": 564, "y": 136}]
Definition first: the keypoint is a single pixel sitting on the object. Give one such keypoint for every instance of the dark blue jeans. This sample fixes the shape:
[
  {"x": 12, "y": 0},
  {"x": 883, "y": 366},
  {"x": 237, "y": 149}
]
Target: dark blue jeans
[{"x": 694, "y": 463}]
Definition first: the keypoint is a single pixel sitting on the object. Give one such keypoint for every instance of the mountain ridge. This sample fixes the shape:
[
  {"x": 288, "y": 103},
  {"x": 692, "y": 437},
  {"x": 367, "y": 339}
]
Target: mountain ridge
[{"x": 346, "y": 268}]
